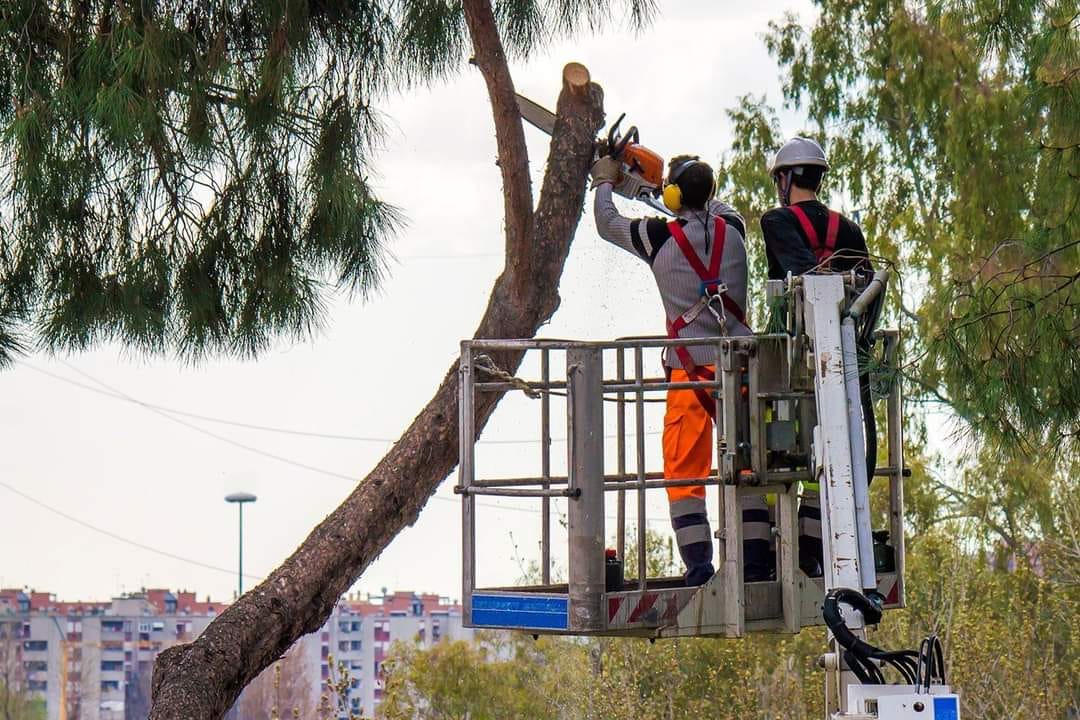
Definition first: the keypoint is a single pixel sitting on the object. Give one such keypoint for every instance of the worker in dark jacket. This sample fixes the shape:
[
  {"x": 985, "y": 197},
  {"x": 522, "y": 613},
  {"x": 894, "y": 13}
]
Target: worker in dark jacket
[
  {"x": 698, "y": 261},
  {"x": 803, "y": 235}
]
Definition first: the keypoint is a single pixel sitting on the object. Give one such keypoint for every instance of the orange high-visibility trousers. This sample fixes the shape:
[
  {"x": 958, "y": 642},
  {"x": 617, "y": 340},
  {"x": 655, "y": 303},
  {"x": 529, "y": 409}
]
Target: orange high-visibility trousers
[
  {"x": 688, "y": 451},
  {"x": 688, "y": 439}
]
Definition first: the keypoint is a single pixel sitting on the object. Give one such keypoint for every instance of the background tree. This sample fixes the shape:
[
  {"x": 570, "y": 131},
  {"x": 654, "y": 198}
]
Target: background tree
[
  {"x": 1011, "y": 642},
  {"x": 954, "y": 138},
  {"x": 953, "y": 128},
  {"x": 16, "y": 702},
  {"x": 191, "y": 178},
  {"x": 281, "y": 691}
]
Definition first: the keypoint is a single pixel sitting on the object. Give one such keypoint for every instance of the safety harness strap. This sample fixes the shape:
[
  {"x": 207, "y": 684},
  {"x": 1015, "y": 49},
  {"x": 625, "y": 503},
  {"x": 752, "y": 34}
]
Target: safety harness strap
[
  {"x": 831, "y": 232},
  {"x": 692, "y": 257},
  {"x": 710, "y": 284},
  {"x": 821, "y": 252},
  {"x": 710, "y": 278}
]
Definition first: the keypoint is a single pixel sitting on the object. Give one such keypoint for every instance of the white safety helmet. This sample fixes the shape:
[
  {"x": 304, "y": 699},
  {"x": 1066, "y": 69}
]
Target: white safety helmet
[{"x": 796, "y": 152}]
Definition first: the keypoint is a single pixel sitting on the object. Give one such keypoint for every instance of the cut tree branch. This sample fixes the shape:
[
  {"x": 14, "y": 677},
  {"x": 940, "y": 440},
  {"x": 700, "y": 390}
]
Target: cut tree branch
[{"x": 201, "y": 680}]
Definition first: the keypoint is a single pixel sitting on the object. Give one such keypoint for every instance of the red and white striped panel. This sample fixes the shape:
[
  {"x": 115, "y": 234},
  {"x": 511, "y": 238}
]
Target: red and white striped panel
[
  {"x": 653, "y": 608},
  {"x": 888, "y": 587}
]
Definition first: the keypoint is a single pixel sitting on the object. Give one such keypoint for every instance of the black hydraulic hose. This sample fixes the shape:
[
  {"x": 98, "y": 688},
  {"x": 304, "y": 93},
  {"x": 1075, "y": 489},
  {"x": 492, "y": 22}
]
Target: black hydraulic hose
[
  {"x": 859, "y": 655},
  {"x": 939, "y": 655},
  {"x": 870, "y": 424},
  {"x": 834, "y": 619},
  {"x": 864, "y": 669}
]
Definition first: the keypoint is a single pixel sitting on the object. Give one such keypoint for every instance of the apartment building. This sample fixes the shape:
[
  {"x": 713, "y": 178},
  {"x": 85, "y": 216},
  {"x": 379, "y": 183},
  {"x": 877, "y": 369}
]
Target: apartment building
[
  {"x": 360, "y": 632},
  {"x": 94, "y": 660}
]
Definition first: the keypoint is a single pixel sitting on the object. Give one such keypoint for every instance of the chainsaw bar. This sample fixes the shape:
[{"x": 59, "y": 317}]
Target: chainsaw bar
[
  {"x": 631, "y": 187},
  {"x": 536, "y": 115}
]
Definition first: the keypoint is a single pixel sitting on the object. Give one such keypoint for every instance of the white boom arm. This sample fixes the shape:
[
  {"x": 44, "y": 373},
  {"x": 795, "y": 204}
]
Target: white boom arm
[{"x": 840, "y": 466}]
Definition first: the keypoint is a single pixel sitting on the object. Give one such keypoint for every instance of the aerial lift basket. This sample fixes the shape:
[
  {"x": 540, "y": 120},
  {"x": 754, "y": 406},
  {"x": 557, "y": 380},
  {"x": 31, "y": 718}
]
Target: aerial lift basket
[{"x": 765, "y": 385}]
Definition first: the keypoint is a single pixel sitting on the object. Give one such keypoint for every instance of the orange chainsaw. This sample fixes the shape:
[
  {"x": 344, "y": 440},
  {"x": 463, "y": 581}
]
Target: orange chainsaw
[{"x": 642, "y": 168}]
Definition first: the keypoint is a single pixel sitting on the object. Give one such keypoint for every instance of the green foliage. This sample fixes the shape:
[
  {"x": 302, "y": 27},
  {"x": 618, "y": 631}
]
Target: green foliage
[
  {"x": 1011, "y": 636},
  {"x": 954, "y": 139},
  {"x": 186, "y": 177},
  {"x": 953, "y": 127},
  {"x": 1011, "y": 642},
  {"x": 462, "y": 680},
  {"x": 17, "y": 705},
  {"x": 193, "y": 177}
]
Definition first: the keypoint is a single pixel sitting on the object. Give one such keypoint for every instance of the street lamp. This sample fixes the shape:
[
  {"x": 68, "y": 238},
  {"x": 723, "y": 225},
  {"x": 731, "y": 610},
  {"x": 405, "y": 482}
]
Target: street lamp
[{"x": 240, "y": 499}]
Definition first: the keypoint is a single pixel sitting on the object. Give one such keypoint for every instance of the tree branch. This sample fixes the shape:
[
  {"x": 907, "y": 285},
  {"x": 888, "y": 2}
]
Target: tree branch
[
  {"x": 201, "y": 680},
  {"x": 509, "y": 132}
]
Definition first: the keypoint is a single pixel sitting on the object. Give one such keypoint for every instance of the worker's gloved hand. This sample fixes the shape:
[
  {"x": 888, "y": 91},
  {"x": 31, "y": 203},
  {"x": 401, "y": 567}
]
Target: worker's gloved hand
[{"x": 606, "y": 169}]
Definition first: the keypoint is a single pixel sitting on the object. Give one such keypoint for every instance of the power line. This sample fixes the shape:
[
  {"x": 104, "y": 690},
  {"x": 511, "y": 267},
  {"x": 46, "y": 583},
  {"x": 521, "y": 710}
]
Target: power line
[
  {"x": 221, "y": 438},
  {"x": 117, "y": 395},
  {"x": 112, "y": 392},
  {"x": 288, "y": 461},
  {"x": 119, "y": 538}
]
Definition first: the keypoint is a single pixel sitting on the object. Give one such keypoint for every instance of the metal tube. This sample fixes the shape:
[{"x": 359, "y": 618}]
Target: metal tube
[
  {"x": 518, "y": 492},
  {"x": 653, "y": 484},
  {"x": 240, "y": 570},
  {"x": 620, "y": 460},
  {"x": 860, "y": 484},
  {"x": 632, "y": 480},
  {"x": 545, "y": 468},
  {"x": 796, "y": 395},
  {"x": 520, "y": 481},
  {"x": 876, "y": 286},
  {"x": 721, "y": 404},
  {"x": 610, "y": 386},
  {"x": 658, "y": 386},
  {"x": 652, "y": 342},
  {"x": 467, "y": 436},
  {"x": 639, "y": 438},
  {"x": 500, "y": 386},
  {"x": 585, "y": 460},
  {"x": 895, "y": 410},
  {"x": 755, "y": 416},
  {"x": 832, "y": 441}
]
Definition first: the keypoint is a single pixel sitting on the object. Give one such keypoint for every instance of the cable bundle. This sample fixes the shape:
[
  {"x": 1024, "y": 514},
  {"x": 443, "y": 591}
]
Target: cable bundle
[
  {"x": 863, "y": 658},
  {"x": 932, "y": 660}
]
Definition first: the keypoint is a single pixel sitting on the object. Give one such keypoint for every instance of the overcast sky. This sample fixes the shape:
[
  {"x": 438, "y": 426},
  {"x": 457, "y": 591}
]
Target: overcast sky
[{"x": 134, "y": 472}]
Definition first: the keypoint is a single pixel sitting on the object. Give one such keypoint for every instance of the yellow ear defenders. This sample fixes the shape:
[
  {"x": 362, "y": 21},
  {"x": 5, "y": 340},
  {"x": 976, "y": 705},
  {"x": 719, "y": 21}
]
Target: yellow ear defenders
[{"x": 672, "y": 194}]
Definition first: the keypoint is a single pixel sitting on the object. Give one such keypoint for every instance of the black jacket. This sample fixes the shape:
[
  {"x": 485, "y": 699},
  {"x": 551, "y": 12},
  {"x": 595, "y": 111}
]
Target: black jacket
[{"x": 788, "y": 249}]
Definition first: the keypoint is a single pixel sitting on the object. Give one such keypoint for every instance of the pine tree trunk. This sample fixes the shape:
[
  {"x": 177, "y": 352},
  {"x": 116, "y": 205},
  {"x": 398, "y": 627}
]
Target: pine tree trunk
[{"x": 203, "y": 679}]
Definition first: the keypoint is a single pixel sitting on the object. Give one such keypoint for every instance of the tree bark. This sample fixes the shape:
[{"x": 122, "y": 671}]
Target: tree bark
[
  {"x": 203, "y": 679},
  {"x": 509, "y": 132}
]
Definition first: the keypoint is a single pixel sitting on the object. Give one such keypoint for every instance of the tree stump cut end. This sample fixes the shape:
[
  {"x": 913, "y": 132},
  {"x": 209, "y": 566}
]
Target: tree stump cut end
[{"x": 576, "y": 77}]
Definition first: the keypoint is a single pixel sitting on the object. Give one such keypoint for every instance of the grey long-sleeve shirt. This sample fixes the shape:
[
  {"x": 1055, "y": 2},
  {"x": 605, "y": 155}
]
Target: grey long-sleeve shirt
[{"x": 679, "y": 285}]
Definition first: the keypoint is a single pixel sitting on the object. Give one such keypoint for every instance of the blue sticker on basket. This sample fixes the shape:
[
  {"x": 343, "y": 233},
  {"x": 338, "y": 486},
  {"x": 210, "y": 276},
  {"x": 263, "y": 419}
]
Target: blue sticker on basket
[{"x": 947, "y": 708}]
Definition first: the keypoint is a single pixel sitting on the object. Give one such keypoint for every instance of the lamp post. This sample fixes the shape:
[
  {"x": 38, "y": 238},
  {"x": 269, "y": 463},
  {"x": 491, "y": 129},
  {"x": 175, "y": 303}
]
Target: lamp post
[{"x": 240, "y": 499}]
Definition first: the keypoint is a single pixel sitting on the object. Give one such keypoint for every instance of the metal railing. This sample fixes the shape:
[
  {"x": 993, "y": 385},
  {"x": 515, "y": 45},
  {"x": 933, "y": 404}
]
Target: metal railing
[
  {"x": 585, "y": 363},
  {"x": 752, "y": 376}
]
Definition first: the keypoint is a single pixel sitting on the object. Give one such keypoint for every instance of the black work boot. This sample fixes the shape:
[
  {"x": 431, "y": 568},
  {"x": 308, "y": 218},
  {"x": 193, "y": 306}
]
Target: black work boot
[
  {"x": 759, "y": 561},
  {"x": 811, "y": 556}
]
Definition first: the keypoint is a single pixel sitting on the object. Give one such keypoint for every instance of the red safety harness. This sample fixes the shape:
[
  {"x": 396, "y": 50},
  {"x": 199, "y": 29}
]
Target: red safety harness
[
  {"x": 821, "y": 252},
  {"x": 711, "y": 290}
]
